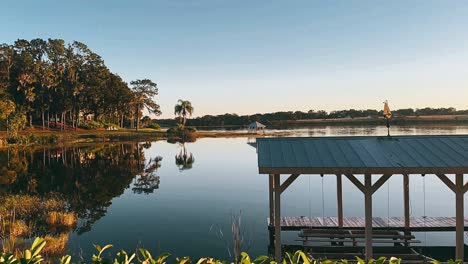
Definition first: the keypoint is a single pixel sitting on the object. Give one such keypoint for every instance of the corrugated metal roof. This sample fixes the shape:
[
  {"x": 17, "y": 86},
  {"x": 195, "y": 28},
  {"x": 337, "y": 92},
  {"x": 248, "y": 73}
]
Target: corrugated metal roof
[
  {"x": 340, "y": 155},
  {"x": 256, "y": 125}
]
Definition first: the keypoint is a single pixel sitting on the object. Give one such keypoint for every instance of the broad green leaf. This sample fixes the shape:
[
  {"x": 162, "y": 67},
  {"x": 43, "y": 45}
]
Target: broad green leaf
[
  {"x": 97, "y": 247},
  {"x": 27, "y": 254},
  {"x": 162, "y": 257},
  {"x": 145, "y": 253},
  {"x": 65, "y": 259},
  {"x": 105, "y": 248},
  {"x": 305, "y": 259},
  {"x": 184, "y": 260},
  {"x": 328, "y": 262},
  {"x": 261, "y": 259},
  {"x": 201, "y": 260},
  {"x": 245, "y": 258},
  {"x": 360, "y": 260},
  {"x": 37, "y": 246}
]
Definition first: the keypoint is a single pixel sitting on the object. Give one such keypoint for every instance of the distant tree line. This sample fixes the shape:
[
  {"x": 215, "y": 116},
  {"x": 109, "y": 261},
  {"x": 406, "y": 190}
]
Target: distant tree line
[
  {"x": 242, "y": 120},
  {"x": 51, "y": 83}
]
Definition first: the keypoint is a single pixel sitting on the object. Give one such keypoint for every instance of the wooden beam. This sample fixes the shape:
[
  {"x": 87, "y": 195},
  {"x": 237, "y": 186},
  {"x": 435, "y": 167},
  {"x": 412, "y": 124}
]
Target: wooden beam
[
  {"x": 356, "y": 182},
  {"x": 380, "y": 182},
  {"x": 339, "y": 198},
  {"x": 277, "y": 218},
  {"x": 288, "y": 182},
  {"x": 459, "y": 214},
  {"x": 447, "y": 182},
  {"x": 465, "y": 187},
  {"x": 368, "y": 215}
]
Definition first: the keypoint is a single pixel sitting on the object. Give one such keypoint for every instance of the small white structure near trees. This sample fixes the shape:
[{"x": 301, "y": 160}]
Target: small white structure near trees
[{"x": 256, "y": 127}]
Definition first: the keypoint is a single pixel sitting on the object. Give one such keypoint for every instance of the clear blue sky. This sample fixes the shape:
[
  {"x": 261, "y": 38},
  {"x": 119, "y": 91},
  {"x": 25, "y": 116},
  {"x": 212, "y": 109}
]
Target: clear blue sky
[{"x": 258, "y": 56}]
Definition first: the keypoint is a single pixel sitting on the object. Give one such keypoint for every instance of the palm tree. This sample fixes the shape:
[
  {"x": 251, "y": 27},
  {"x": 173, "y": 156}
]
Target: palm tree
[
  {"x": 184, "y": 160},
  {"x": 182, "y": 109}
]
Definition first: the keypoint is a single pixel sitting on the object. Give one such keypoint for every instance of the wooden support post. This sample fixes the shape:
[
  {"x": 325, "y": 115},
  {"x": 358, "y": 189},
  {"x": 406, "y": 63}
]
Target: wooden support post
[
  {"x": 271, "y": 198},
  {"x": 368, "y": 215},
  {"x": 406, "y": 207},
  {"x": 339, "y": 194},
  {"x": 406, "y": 201},
  {"x": 460, "y": 242},
  {"x": 368, "y": 189},
  {"x": 277, "y": 218},
  {"x": 459, "y": 189},
  {"x": 272, "y": 207}
]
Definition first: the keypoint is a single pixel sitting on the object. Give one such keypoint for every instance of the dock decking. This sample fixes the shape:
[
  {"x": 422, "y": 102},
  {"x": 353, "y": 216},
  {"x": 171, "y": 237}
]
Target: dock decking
[{"x": 417, "y": 224}]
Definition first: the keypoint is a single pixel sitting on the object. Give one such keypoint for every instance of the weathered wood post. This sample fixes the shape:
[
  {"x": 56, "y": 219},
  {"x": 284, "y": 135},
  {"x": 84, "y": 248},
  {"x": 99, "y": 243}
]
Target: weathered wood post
[
  {"x": 277, "y": 218},
  {"x": 272, "y": 208},
  {"x": 368, "y": 215},
  {"x": 339, "y": 194},
  {"x": 460, "y": 221},
  {"x": 459, "y": 189},
  {"x": 406, "y": 205}
]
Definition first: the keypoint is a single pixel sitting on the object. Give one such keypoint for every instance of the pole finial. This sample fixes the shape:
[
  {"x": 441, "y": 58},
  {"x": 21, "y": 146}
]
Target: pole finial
[{"x": 387, "y": 115}]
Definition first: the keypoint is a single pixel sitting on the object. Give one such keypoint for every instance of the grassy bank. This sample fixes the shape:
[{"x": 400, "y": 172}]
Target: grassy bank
[
  {"x": 58, "y": 138},
  {"x": 54, "y": 138}
]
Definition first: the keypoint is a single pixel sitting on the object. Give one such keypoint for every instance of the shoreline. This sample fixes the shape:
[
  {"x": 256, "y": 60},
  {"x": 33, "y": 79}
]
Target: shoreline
[{"x": 49, "y": 138}]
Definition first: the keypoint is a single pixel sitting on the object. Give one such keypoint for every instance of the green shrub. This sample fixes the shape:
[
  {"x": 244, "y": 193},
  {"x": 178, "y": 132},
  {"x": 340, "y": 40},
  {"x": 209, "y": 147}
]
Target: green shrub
[
  {"x": 154, "y": 126},
  {"x": 172, "y": 131},
  {"x": 18, "y": 139},
  {"x": 181, "y": 134},
  {"x": 91, "y": 124},
  {"x": 41, "y": 139}
]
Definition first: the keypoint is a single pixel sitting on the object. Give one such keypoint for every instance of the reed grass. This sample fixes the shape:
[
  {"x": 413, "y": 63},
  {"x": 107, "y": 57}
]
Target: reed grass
[
  {"x": 61, "y": 219},
  {"x": 22, "y": 216},
  {"x": 56, "y": 245}
]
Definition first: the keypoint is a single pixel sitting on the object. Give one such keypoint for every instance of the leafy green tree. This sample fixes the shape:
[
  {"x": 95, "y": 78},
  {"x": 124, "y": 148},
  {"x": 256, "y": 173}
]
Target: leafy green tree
[
  {"x": 7, "y": 54},
  {"x": 144, "y": 92},
  {"x": 7, "y": 107},
  {"x": 24, "y": 78},
  {"x": 183, "y": 109},
  {"x": 17, "y": 122},
  {"x": 49, "y": 78},
  {"x": 145, "y": 121}
]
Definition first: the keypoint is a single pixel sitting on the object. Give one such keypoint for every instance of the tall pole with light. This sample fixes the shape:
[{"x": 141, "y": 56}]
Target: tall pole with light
[{"x": 387, "y": 115}]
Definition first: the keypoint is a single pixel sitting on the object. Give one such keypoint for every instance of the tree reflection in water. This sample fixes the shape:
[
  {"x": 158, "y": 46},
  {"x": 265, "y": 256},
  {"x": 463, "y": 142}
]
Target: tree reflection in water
[
  {"x": 184, "y": 160},
  {"x": 88, "y": 177},
  {"x": 148, "y": 181}
]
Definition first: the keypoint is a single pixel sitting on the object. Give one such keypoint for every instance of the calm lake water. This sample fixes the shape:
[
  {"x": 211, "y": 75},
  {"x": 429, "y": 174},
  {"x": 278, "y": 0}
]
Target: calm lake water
[{"x": 181, "y": 198}]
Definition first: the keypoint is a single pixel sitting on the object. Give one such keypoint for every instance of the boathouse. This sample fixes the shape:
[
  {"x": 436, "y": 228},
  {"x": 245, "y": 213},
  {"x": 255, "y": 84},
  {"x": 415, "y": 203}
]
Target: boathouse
[
  {"x": 255, "y": 127},
  {"x": 364, "y": 160}
]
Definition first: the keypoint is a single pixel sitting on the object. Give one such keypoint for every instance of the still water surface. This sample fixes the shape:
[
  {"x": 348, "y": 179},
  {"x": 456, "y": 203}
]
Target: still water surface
[{"x": 181, "y": 198}]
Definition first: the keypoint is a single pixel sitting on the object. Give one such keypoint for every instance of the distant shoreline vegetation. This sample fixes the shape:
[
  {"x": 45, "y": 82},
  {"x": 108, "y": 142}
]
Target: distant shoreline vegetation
[{"x": 407, "y": 116}]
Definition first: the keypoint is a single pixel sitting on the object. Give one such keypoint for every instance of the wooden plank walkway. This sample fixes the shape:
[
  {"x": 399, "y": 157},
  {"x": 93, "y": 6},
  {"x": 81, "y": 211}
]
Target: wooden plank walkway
[{"x": 393, "y": 223}]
